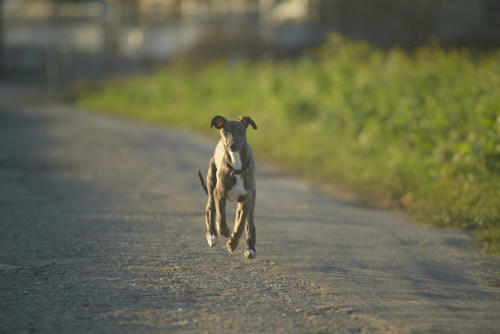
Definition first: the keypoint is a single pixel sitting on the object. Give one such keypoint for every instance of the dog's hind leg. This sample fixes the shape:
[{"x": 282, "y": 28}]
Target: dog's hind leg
[
  {"x": 250, "y": 227},
  {"x": 210, "y": 209},
  {"x": 239, "y": 223}
]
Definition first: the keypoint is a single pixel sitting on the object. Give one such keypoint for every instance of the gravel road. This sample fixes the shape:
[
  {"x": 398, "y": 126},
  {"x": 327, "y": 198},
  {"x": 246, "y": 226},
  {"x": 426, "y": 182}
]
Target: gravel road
[{"x": 102, "y": 231}]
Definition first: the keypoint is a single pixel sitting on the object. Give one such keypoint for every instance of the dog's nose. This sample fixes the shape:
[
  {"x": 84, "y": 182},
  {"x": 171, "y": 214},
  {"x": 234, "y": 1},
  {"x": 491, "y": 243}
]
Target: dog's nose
[{"x": 232, "y": 147}]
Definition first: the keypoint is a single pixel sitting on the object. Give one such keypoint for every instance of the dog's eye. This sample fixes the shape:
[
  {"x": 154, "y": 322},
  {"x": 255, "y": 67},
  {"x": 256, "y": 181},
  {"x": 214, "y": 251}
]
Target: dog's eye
[{"x": 225, "y": 132}]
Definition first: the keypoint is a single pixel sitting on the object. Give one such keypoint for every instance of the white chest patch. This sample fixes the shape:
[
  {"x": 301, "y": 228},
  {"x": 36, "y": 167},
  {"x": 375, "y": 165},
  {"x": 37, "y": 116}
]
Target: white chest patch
[{"x": 238, "y": 189}]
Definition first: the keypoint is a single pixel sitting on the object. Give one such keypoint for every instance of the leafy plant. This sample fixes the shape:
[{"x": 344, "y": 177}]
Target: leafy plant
[{"x": 419, "y": 129}]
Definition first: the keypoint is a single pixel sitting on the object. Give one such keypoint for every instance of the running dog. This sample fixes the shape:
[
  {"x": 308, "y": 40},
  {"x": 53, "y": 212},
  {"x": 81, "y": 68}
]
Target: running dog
[{"x": 231, "y": 175}]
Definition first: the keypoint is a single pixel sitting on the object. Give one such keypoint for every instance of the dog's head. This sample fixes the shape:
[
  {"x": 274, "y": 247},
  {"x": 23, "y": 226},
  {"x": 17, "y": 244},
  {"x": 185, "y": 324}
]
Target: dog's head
[{"x": 233, "y": 133}]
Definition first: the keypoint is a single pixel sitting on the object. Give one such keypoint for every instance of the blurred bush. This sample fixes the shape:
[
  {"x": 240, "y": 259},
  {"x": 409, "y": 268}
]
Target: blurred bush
[{"x": 416, "y": 129}]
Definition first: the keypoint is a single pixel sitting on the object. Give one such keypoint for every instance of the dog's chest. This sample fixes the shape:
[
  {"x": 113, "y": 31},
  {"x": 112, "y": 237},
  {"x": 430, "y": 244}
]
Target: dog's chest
[{"x": 237, "y": 190}]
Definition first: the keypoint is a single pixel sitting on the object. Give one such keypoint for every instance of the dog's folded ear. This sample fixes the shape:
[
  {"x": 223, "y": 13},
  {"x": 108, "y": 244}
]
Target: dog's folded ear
[
  {"x": 247, "y": 120},
  {"x": 218, "y": 122}
]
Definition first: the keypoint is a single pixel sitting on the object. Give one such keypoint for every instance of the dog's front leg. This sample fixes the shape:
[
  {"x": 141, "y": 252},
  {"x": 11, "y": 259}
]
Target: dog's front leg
[
  {"x": 211, "y": 234},
  {"x": 239, "y": 223},
  {"x": 220, "y": 206},
  {"x": 250, "y": 227}
]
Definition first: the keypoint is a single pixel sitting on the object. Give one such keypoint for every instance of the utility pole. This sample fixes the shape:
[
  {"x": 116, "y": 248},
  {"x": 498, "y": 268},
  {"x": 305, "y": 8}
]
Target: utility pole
[{"x": 2, "y": 69}]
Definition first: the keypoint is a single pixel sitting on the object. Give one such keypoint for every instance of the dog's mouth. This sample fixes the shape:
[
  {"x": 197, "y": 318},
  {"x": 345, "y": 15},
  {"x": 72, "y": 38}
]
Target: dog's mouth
[{"x": 233, "y": 147}]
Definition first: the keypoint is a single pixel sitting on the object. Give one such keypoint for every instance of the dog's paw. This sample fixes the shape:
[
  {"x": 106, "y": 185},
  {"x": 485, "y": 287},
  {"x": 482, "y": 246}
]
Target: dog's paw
[
  {"x": 211, "y": 239},
  {"x": 232, "y": 244},
  {"x": 250, "y": 253}
]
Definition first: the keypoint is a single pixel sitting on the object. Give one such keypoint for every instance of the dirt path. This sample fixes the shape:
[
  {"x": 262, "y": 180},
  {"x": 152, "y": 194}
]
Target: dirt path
[{"x": 103, "y": 232}]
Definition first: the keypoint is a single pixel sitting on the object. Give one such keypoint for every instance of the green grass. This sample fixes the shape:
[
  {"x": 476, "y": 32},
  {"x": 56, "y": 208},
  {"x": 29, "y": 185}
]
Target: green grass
[{"x": 419, "y": 130}]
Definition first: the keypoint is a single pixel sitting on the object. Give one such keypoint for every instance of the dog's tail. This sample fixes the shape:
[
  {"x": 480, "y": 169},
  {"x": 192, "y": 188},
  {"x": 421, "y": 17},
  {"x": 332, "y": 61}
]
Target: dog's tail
[{"x": 202, "y": 182}]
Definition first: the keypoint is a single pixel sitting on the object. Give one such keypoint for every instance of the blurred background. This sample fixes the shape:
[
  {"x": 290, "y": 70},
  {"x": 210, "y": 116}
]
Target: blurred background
[
  {"x": 395, "y": 100},
  {"x": 64, "y": 40}
]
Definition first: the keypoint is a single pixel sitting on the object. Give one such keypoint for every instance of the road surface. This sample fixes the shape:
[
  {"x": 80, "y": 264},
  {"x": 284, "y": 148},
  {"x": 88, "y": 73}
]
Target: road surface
[{"x": 102, "y": 231}]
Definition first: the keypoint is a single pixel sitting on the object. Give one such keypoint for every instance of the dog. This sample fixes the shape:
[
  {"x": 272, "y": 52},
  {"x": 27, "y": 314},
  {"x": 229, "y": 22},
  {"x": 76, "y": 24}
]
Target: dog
[{"x": 231, "y": 176}]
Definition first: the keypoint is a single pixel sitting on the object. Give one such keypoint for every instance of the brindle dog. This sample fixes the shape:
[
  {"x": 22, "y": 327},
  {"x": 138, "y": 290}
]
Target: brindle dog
[{"x": 231, "y": 175}]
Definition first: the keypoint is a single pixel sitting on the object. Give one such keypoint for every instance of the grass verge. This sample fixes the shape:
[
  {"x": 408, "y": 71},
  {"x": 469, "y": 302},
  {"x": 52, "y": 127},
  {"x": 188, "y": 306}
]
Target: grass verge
[{"x": 419, "y": 130}]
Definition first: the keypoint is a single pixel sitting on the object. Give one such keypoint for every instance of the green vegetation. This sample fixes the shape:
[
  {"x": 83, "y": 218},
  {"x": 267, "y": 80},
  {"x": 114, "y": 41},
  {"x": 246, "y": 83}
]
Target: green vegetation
[{"x": 418, "y": 130}]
